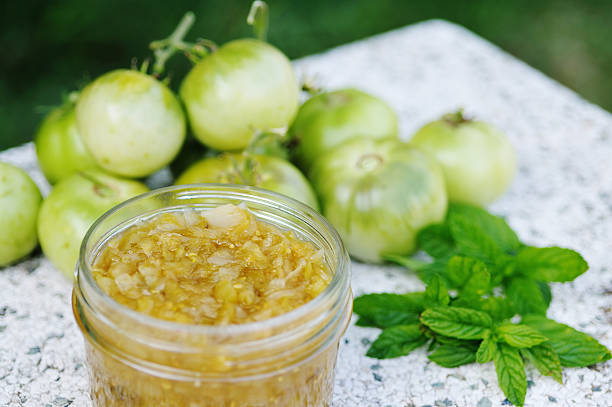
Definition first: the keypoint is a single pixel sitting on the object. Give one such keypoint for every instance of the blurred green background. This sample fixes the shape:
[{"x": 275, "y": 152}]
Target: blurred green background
[{"x": 48, "y": 48}]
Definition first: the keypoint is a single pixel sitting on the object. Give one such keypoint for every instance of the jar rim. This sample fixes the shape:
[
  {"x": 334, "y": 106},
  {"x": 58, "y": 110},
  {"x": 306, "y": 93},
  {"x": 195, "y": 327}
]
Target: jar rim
[{"x": 340, "y": 278}]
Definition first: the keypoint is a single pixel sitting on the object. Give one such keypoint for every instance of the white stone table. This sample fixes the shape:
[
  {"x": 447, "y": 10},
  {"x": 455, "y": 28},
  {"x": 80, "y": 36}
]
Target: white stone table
[{"x": 562, "y": 195}]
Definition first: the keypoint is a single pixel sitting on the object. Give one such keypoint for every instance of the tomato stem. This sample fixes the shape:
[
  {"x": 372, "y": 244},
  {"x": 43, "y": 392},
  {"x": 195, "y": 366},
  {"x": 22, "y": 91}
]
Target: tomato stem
[
  {"x": 164, "y": 49},
  {"x": 100, "y": 188},
  {"x": 258, "y": 18},
  {"x": 456, "y": 118}
]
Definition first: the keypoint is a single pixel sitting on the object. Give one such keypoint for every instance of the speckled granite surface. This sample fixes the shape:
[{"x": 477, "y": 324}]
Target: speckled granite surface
[{"x": 562, "y": 195}]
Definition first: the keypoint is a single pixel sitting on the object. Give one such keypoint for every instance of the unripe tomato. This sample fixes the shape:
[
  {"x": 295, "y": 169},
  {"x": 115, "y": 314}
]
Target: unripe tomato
[
  {"x": 131, "y": 123},
  {"x": 59, "y": 147},
  {"x": 261, "y": 171},
  {"x": 379, "y": 194},
  {"x": 328, "y": 119},
  {"x": 477, "y": 159},
  {"x": 19, "y": 203},
  {"x": 244, "y": 86},
  {"x": 72, "y": 207}
]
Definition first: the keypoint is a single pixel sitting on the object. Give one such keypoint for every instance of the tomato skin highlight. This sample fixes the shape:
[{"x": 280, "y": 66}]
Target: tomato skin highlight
[
  {"x": 59, "y": 147},
  {"x": 378, "y": 194},
  {"x": 131, "y": 123},
  {"x": 478, "y": 160},
  {"x": 20, "y": 200},
  {"x": 261, "y": 171},
  {"x": 244, "y": 86},
  {"x": 328, "y": 119}
]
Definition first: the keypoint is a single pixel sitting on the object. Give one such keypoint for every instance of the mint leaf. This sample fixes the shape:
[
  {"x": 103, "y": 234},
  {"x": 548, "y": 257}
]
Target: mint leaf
[
  {"x": 385, "y": 310},
  {"x": 550, "y": 263},
  {"x": 436, "y": 241},
  {"x": 453, "y": 356},
  {"x": 486, "y": 350},
  {"x": 461, "y": 323},
  {"x": 436, "y": 293},
  {"x": 544, "y": 358},
  {"x": 427, "y": 272},
  {"x": 511, "y": 373},
  {"x": 499, "y": 308},
  {"x": 575, "y": 348},
  {"x": 447, "y": 340},
  {"x": 493, "y": 226},
  {"x": 478, "y": 284},
  {"x": 404, "y": 261},
  {"x": 459, "y": 269},
  {"x": 545, "y": 291},
  {"x": 519, "y": 336},
  {"x": 472, "y": 241},
  {"x": 396, "y": 341},
  {"x": 525, "y": 295}
]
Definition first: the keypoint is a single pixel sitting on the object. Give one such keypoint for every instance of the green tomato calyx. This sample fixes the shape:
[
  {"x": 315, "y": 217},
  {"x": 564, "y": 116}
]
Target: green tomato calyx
[
  {"x": 246, "y": 173},
  {"x": 457, "y": 118},
  {"x": 369, "y": 162},
  {"x": 273, "y": 142},
  {"x": 310, "y": 86}
]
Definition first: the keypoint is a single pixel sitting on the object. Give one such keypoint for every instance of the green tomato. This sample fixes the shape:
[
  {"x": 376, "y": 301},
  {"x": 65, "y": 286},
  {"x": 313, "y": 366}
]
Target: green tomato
[
  {"x": 72, "y": 207},
  {"x": 477, "y": 159},
  {"x": 261, "y": 171},
  {"x": 328, "y": 119},
  {"x": 59, "y": 147},
  {"x": 244, "y": 86},
  {"x": 379, "y": 194},
  {"x": 19, "y": 203},
  {"x": 131, "y": 123}
]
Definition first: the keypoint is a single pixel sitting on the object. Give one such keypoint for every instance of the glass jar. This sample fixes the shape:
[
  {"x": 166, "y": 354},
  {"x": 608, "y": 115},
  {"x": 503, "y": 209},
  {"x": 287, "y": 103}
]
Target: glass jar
[{"x": 288, "y": 360}]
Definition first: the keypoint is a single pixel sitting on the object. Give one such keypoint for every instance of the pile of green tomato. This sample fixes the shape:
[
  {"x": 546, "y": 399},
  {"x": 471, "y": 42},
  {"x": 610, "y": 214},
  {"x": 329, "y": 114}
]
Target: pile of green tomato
[{"x": 237, "y": 119}]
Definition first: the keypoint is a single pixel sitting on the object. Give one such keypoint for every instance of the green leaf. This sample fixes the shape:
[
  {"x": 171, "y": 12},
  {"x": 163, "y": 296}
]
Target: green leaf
[
  {"x": 493, "y": 226},
  {"x": 385, "y": 310},
  {"x": 486, "y": 350},
  {"x": 453, "y": 356},
  {"x": 575, "y": 348},
  {"x": 397, "y": 341},
  {"x": 436, "y": 293},
  {"x": 525, "y": 295},
  {"x": 545, "y": 291},
  {"x": 550, "y": 263},
  {"x": 511, "y": 373},
  {"x": 478, "y": 284},
  {"x": 460, "y": 268},
  {"x": 447, "y": 340},
  {"x": 404, "y": 261},
  {"x": 545, "y": 359},
  {"x": 436, "y": 241},
  {"x": 473, "y": 241},
  {"x": 427, "y": 272},
  {"x": 461, "y": 323},
  {"x": 519, "y": 335},
  {"x": 499, "y": 308}
]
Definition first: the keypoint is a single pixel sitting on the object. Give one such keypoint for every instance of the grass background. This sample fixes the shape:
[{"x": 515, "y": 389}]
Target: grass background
[{"x": 48, "y": 48}]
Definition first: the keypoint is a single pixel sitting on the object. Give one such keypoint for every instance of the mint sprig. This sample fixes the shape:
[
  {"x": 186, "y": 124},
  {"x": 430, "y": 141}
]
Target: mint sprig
[
  {"x": 492, "y": 276},
  {"x": 511, "y": 373}
]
